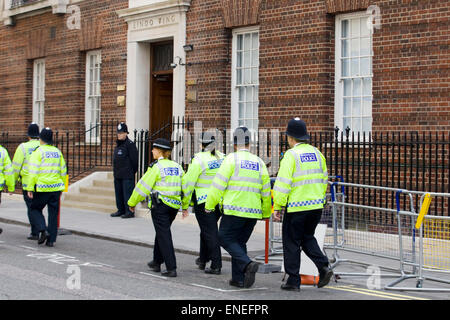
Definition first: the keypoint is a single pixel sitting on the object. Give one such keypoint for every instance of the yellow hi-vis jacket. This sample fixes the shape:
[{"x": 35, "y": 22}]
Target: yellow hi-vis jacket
[
  {"x": 6, "y": 171},
  {"x": 200, "y": 175},
  {"x": 163, "y": 177},
  {"x": 21, "y": 159},
  {"x": 302, "y": 180},
  {"x": 244, "y": 183},
  {"x": 46, "y": 169}
]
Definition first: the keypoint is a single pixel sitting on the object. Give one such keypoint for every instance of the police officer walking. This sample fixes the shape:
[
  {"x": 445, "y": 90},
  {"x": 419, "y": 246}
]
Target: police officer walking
[
  {"x": 125, "y": 166},
  {"x": 164, "y": 182},
  {"x": 6, "y": 173},
  {"x": 196, "y": 182},
  {"x": 301, "y": 184},
  {"x": 20, "y": 165},
  {"x": 243, "y": 182},
  {"x": 47, "y": 172}
]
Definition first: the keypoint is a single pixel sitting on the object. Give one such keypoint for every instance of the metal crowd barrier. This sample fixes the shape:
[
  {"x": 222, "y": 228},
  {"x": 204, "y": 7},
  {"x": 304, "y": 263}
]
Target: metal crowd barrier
[{"x": 433, "y": 251}]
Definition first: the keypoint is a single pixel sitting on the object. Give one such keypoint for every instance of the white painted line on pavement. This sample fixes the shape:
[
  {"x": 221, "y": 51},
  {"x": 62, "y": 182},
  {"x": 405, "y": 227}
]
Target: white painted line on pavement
[
  {"x": 227, "y": 290},
  {"x": 153, "y": 275},
  {"x": 29, "y": 248}
]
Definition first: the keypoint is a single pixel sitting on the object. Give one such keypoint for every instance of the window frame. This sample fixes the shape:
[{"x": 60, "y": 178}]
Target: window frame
[
  {"x": 339, "y": 79},
  {"x": 88, "y": 97},
  {"x": 234, "y": 86},
  {"x": 38, "y": 111}
]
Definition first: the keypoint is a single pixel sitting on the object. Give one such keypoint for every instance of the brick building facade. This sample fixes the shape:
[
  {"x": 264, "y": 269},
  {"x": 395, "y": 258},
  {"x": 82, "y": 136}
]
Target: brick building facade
[{"x": 252, "y": 62}]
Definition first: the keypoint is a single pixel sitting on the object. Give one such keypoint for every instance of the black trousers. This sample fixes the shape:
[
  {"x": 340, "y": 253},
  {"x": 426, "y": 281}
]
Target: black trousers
[
  {"x": 123, "y": 189},
  {"x": 209, "y": 235},
  {"x": 51, "y": 200},
  {"x": 28, "y": 202},
  {"x": 234, "y": 233},
  {"x": 163, "y": 251},
  {"x": 298, "y": 234}
]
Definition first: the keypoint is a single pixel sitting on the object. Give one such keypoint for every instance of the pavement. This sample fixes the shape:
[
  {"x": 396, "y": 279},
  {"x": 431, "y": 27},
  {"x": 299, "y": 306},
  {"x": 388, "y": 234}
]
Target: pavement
[{"x": 137, "y": 231}]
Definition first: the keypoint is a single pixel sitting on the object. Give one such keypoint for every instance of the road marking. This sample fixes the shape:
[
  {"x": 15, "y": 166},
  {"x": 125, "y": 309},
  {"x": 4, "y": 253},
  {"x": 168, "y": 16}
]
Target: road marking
[
  {"x": 387, "y": 293},
  {"x": 29, "y": 248},
  {"x": 226, "y": 290},
  {"x": 153, "y": 275},
  {"x": 375, "y": 293}
]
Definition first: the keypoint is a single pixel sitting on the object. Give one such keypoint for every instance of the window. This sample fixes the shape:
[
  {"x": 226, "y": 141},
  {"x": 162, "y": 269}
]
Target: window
[
  {"x": 353, "y": 88},
  {"x": 245, "y": 79},
  {"x": 93, "y": 95},
  {"x": 39, "y": 91}
]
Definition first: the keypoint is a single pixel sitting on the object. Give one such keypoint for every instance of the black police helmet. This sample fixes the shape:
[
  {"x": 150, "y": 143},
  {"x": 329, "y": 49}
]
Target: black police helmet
[
  {"x": 33, "y": 130},
  {"x": 207, "y": 138},
  {"x": 122, "y": 127},
  {"x": 162, "y": 143},
  {"x": 46, "y": 135},
  {"x": 241, "y": 136},
  {"x": 297, "y": 129}
]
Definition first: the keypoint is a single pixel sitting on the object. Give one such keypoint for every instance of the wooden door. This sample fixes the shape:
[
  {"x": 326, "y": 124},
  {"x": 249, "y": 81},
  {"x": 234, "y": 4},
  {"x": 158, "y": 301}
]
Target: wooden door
[{"x": 161, "y": 91}]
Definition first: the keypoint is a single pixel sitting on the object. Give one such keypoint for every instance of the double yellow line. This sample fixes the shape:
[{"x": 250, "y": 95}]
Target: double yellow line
[{"x": 375, "y": 293}]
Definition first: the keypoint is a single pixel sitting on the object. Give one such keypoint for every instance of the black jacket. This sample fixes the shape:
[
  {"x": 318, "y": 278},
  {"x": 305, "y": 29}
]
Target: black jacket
[{"x": 125, "y": 160}]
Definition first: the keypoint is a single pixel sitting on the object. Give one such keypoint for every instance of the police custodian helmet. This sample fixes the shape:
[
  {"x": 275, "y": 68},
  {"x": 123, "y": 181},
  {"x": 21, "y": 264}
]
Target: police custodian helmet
[{"x": 297, "y": 129}]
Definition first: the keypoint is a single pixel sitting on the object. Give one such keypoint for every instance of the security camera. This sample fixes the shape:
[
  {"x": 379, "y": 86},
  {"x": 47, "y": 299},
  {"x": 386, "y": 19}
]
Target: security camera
[{"x": 173, "y": 65}]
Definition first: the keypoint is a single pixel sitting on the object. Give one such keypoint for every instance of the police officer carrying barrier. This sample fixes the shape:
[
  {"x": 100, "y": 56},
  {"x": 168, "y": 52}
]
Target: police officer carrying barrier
[
  {"x": 301, "y": 184},
  {"x": 163, "y": 181},
  {"x": 20, "y": 165},
  {"x": 47, "y": 173},
  {"x": 243, "y": 182},
  {"x": 6, "y": 173},
  {"x": 197, "y": 180}
]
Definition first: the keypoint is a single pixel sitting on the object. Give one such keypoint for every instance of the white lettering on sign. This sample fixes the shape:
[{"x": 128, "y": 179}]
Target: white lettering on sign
[{"x": 153, "y": 22}]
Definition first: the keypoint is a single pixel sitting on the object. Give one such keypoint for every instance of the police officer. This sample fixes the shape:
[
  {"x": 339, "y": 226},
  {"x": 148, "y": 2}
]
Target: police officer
[
  {"x": 47, "y": 172},
  {"x": 243, "y": 182},
  {"x": 196, "y": 182},
  {"x": 20, "y": 165},
  {"x": 164, "y": 182},
  {"x": 125, "y": 166},
  {"x": 6, "y": 173},
  {"x": 301, "y": 184}
]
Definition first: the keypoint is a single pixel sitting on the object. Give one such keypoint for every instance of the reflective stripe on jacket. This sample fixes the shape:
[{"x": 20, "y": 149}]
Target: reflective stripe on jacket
[
  {"x": 21, "y": 159},
  {"x": 163, "y": 177},
  {"x": 200, "y": 175},
  {"x": 6, "y": 171},
  {"x": 46, "y": 169},
  {"x": 244, "y": 183},
  {"x": 302, "y": 180}
]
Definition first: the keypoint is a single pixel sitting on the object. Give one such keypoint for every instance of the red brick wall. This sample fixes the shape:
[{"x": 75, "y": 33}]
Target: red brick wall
[
  {"x": 411, "y": 62},
  {"x": 65, "y": 67}
]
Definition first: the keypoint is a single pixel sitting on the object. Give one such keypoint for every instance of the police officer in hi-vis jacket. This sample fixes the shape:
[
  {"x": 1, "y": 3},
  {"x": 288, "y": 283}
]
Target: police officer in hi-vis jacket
[
  {"x": 163, "y": 182},
  {"x": 301, "y": 185},
  {"x": 197, "y": 181},
  {"x": 47, "y": 173},
  {"x": 244, "y": 184}
]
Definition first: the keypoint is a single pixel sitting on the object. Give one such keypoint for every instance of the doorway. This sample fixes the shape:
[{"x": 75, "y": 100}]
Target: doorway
[{"x": 161, "y": 88}]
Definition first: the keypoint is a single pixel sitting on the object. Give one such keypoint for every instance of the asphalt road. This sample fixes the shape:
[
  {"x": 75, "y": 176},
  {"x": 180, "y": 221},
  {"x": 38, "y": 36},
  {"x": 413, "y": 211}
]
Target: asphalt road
[{"x": 83, "y": 268}]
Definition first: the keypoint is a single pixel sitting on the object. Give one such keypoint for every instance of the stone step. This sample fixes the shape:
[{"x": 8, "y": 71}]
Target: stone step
[
  {"x": 91, "y": 198},
  {"x": 100, "y": 191},
  {"x": 103, "y": 183},
  {"x": 89, "y": 206}
]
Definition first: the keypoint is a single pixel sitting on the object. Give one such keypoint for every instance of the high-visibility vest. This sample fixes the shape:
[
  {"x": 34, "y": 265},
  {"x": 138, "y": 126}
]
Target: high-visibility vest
[
  {"x": 6, "y": 171},
  {"x": 302, "y": 180},
  {"x": 163, "y": 177},
  {"x": 21, "y": 159},
  {"x": 200, "y": 175},
  {"x": 46, "y": 169},
  {"x": 243, "y": 182}
]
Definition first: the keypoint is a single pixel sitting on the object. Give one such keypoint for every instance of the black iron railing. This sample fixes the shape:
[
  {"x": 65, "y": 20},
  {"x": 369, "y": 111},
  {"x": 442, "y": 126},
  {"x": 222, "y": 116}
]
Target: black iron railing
[
  {"x": 83, "y": 151},
  {"x": 409, "y": 161}
]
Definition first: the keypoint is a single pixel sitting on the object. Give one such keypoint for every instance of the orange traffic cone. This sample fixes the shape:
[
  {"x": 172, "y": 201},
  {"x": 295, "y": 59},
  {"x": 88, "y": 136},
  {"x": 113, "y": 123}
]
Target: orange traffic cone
[{"x": 309, "y": 280}]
